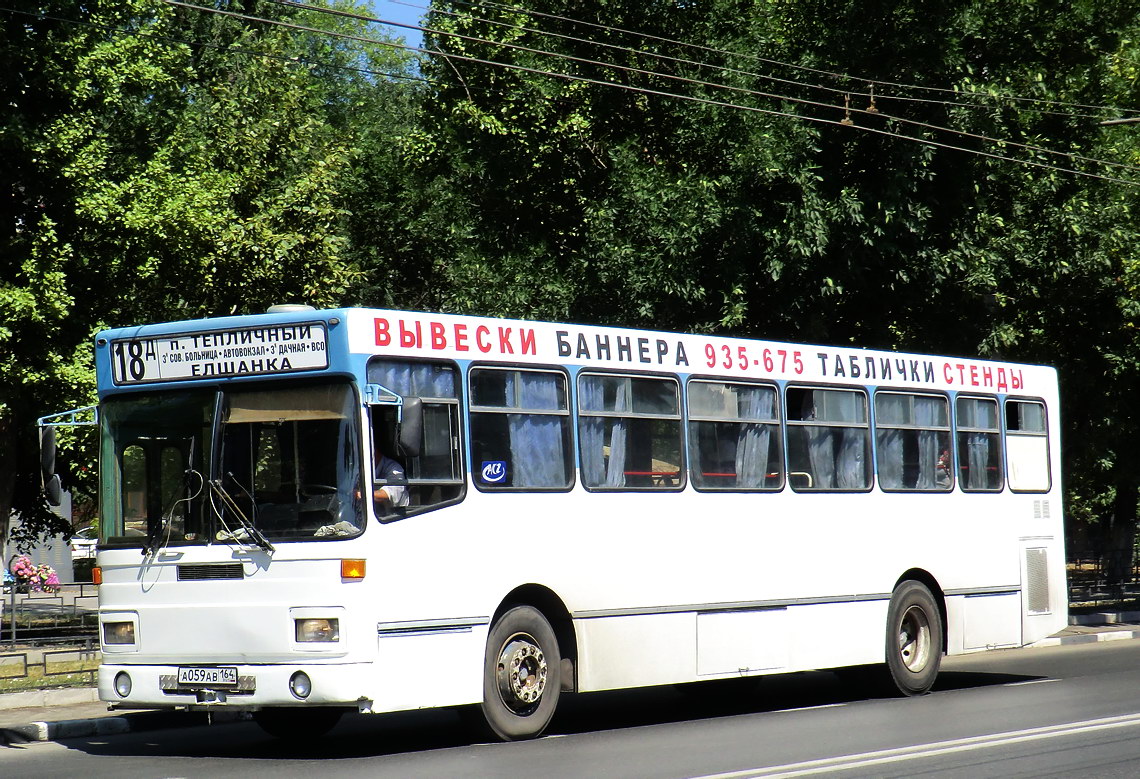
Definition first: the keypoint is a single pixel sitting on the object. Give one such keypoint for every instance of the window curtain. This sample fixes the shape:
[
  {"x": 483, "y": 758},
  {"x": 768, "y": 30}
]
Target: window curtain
[
  {"x": 591, "y": 433},
  {"x": 619, "y": 432},
  {"x": 926, "y": 416},
  {"x": 821, "y": 447},
  {"x": 891, "y": 409},
  {"x": 414, "y": 379},
  {"x": 535, "y": 439},
  {"x": 753, "y": 440},
  {"x": 977, "y": 458},
  {"x": 850, "y": 463},
  {"x": 697, "y": 437}
]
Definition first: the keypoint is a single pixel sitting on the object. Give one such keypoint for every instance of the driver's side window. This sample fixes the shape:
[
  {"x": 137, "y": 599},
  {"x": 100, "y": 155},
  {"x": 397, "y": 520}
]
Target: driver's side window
[{"x": 434, "y": 476}]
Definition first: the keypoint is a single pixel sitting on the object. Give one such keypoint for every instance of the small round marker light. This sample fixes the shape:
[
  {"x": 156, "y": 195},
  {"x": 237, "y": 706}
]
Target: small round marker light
[
  {"x": 300, "y": 685},
  {"x": 122, "y": 684}
]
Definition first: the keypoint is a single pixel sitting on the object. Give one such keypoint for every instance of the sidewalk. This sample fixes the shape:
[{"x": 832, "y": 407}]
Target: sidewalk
[
  {"x": 49, "y": 715},
  {"x": 1100, "y": 626}
]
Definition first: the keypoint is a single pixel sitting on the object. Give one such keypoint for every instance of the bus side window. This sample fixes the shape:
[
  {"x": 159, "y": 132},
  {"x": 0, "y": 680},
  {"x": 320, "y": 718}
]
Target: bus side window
[
  {"x": 520, "y": 429},
  {"x": 1027, "y": 446},
  {"x": 912, "y": 436},
  {"x": 734, "y": 436},
  {"x": 435, "y": 475},
  {"x": 979, "y": 444},
  {"x": 829, "y": 439},
  {"x": 629, "y": 432}
]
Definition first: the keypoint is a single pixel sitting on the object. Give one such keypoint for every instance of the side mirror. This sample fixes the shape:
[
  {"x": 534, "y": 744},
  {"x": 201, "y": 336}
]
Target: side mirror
[
  {"x": 411, "y": 426},
  {"x": 52, "y": 486},
  {"x": 54, "y": 490},
  {"x": 47, "y": 453}
]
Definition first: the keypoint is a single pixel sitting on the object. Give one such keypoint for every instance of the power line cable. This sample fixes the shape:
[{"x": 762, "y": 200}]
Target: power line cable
[
  {"x": 660, "y": 93},
  {"x": 715, "y": 85},
  {"x": 871, "y": 94},
  {"x": 757, "y": 58},
  {"x": 297, "y": 60}
]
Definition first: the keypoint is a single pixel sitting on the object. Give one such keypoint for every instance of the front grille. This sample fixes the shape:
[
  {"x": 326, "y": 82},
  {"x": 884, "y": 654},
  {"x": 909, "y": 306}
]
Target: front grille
[{"x": 212, "y": 571}]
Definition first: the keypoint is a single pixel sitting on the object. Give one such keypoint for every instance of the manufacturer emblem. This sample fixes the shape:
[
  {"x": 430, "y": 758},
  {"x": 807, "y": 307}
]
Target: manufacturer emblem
[{"x": 494, "y": 471}]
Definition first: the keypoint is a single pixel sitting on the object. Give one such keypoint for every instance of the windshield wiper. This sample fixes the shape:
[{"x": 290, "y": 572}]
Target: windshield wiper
[{"x": 250, "y": 530}]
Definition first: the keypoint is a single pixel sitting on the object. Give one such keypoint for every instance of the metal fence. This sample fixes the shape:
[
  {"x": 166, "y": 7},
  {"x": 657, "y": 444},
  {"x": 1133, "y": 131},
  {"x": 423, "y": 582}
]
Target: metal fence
[
  {"x": 69, "y": 615},
  {"x": 71, "y": 667},
  {"x": 1096, "y": 579}
]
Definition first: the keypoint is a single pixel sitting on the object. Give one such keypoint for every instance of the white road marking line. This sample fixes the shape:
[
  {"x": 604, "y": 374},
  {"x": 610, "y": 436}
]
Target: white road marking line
[{"x": 918, "y": 751}]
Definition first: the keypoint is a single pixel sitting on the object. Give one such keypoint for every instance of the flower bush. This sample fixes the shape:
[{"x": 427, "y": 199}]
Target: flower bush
[{"x": 37, "y": 578}]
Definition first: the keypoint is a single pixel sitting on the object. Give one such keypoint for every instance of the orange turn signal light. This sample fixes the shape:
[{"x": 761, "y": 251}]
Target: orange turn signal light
[
  {"x": 96, "y": 575},
  {"x": 352, "y": 569}
]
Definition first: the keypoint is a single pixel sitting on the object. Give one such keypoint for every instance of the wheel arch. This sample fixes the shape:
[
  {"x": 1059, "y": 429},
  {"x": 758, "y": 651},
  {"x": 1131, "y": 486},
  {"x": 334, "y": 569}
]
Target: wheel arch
[
  {"x": 927, "y": 579},
  {"x": 554, "y": 610}
]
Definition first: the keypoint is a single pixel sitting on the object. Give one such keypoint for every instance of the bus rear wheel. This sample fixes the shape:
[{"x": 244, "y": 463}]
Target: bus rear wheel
[
  {"x": 914, "y": 638},
  {"x": 521, "y": 675}
]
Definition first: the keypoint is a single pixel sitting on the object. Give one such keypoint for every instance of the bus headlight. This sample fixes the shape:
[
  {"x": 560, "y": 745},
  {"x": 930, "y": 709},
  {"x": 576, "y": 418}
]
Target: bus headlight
[
  {"x": 118, "y": 633},
  {"x": 313, "y": 629},
  {"x": 123, "y": 684}
]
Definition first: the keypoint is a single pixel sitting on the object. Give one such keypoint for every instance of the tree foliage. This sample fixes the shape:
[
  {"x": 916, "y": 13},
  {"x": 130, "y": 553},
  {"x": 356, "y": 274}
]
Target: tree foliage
[
  {"x": 623, "y": 206},
  {"x": 164, "y": 163},
  {"x": 820, "y": 170}
]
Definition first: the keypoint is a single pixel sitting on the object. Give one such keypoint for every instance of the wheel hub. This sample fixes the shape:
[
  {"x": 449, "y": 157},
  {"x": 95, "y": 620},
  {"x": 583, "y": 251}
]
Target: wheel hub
[
  {"x": 914, "y": 639},
  {"x": 521, "y": 672}
]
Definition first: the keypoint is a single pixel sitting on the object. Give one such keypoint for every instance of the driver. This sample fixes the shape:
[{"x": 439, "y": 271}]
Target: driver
[{"x": 393, "y": 493}]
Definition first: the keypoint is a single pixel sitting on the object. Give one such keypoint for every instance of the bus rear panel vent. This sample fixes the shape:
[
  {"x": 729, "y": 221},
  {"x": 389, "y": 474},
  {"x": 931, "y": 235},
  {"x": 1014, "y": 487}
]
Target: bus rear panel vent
[{"x": 1037, "y": 581}]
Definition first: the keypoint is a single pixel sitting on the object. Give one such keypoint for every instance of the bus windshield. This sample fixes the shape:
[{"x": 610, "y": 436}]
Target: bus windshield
[{"x": 235, "y": 466}]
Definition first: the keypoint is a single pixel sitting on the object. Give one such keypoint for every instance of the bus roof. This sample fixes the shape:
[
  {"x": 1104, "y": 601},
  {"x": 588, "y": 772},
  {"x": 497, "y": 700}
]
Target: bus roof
[{"x": 339, "y": 341}]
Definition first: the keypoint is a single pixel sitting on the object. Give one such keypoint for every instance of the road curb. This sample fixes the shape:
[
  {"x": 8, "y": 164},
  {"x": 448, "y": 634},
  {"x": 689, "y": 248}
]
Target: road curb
[
  {"x": 69, "y": 728},
  {"x": 130, "y": 722},
  {"x": 1087, "y": 638}
]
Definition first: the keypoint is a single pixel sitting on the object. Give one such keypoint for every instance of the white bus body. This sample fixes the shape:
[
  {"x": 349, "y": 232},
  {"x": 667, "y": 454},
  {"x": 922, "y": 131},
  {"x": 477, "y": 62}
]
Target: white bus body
[{"x": 662, "y": 508}]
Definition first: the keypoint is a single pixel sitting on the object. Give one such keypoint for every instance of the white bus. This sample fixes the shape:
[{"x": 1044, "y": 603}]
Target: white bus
[{"x": 580, "y": 508}]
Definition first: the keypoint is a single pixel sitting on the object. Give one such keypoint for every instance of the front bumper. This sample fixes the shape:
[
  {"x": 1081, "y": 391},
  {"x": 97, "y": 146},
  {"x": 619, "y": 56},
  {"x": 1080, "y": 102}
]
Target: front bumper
[{"x": 257, "y": 686}]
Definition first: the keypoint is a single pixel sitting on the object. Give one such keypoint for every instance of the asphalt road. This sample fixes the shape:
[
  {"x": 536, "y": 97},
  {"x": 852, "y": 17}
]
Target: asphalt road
[{"x": 1062, "y": 711}]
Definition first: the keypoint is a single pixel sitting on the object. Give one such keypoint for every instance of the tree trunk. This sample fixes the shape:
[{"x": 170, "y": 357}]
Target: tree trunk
[
  {"x": 9, "y": 457},
  {"x": 1122, "y": 532}
]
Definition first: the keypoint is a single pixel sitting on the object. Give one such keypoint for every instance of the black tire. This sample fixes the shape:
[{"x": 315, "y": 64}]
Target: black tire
[
  {"x": 292, "y": 723},
  {"x": 521, "y": 675},
  {"x": 914, "y": 638}
]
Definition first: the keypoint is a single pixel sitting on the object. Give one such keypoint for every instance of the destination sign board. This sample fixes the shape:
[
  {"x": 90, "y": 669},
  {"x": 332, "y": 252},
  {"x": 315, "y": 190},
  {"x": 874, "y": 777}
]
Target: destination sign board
[{"x": 270, "y": 349}]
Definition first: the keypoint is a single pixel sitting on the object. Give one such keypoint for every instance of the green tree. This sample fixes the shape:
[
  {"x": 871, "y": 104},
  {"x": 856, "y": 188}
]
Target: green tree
[
  {"x": 179, "y": 164},
  {"x": 577, "y": 200}
]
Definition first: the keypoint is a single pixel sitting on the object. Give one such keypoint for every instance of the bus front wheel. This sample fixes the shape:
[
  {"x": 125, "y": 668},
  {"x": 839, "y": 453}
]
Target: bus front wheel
[
  {"x": 521, "y": 675},
  {"x": 914, "y": 638}
]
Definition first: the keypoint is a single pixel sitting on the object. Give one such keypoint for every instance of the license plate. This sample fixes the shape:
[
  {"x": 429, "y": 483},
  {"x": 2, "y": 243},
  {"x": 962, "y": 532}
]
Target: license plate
[{"x": 206, "y": 677}]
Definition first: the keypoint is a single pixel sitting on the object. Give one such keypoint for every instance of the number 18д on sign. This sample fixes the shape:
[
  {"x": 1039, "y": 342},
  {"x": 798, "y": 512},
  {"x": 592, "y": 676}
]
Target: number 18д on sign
[{"x": 243, "y": 351}]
